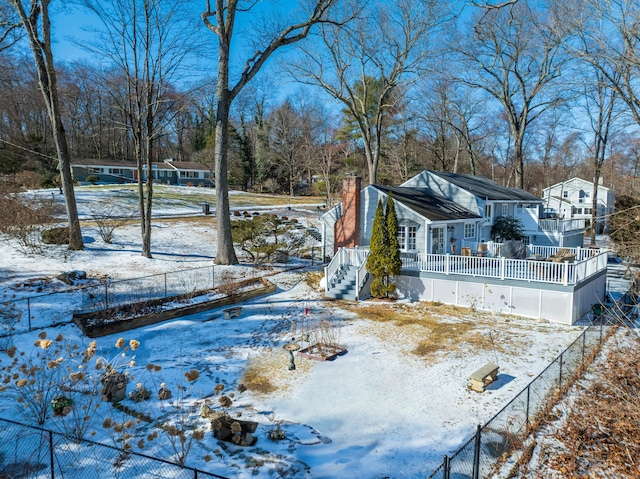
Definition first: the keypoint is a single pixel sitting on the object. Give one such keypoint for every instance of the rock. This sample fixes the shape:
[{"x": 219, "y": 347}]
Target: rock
[{"x": 72, "y": 277}]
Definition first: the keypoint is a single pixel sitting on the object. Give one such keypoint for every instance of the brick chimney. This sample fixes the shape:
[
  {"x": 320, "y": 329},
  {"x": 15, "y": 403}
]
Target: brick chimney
[{"x": 347, "y": 228}]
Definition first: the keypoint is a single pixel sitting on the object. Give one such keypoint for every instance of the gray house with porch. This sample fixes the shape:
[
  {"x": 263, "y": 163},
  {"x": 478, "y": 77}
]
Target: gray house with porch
[{"x": 444, "y": 225}]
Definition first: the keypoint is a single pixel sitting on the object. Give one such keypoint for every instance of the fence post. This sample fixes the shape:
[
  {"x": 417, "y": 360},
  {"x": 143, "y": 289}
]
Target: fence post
[
  {"x": 213, "y": 277},
  {"x": 165, "y": 285},
  {"x": 502, "y": 267},
  {"x": 528, "y": 394},
  {"x": 560, "y": 376},
  {"x": 106, "y": 294},
  {"x": 601, "y": 334},
  {"x": 584, "y": 339},
  {"x": 29, "y": 312},
  {"x": 53, "y": 471},
  {"x": 446, "y": 467},
  {"x": 476, "y": 453}
]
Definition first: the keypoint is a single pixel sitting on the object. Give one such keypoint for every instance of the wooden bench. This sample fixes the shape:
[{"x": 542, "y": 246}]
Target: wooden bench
[
  {"x": 484, "y": 376},
  {"x": 232, "y": 312}
]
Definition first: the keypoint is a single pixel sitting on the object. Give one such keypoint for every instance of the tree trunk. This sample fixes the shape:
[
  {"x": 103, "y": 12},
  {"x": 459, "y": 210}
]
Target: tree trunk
[
  {"x": 225, "y": 253},
  {"x": 43, "y": 58},
  {"x": 518, "y": 155}
]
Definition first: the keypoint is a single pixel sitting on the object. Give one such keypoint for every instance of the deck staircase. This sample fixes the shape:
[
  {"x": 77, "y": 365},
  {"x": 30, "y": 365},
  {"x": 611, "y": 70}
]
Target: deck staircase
[{"x": 343, "y": 285}]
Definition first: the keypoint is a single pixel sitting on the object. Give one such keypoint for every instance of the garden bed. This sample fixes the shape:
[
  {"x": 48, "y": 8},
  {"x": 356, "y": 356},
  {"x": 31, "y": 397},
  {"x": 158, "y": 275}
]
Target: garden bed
[
  {"x": 124, "y": 318},
  {"x": 322, "y": 352}
]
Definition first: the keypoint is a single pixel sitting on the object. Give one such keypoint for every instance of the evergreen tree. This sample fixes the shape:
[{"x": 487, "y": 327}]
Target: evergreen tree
[
  {"x": 377, "y": 252},
  {"x": 392, "y": 261}
]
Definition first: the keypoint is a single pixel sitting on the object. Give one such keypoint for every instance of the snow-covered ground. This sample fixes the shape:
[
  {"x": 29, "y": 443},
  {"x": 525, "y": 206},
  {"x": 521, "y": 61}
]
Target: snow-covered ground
[{"x": 379, "y": 410}]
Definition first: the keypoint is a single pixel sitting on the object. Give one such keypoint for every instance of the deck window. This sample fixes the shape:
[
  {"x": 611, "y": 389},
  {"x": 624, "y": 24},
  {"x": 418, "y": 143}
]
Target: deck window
[
  {"x": 191, "y": 174},
  {"x": 407, "y": 238},
  {"x": 469, "y": 230}
]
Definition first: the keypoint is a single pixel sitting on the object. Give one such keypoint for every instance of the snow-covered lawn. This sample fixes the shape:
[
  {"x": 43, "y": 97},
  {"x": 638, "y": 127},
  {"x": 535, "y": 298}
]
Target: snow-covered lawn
[{"x": 393, "y": 405}]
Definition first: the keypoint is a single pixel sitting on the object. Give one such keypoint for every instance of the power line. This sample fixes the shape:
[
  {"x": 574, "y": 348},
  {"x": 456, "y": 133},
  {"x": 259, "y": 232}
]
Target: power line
[{"x": 29, "y": 150}]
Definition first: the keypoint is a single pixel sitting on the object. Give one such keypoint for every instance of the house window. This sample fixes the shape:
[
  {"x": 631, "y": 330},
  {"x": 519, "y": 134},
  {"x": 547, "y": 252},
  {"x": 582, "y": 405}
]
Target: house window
[
  {"x": 191, "y": 174},
  {"x": 94, "y": 170},
  {"x": 469, "y": 230},
  {"x": 407, "y": 238},
  {"x": 487, "y": 212},
  {"x": 116, "y": 171},
  {"x": 587, "y": 211},
  {"x": 505, "y": 210},
  {"x": 565, "y": 194}
]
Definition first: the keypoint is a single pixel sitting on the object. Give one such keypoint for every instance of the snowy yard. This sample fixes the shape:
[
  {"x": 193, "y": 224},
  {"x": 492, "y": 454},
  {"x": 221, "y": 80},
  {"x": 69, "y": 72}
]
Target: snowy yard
[{"x": 393, "y": 405}]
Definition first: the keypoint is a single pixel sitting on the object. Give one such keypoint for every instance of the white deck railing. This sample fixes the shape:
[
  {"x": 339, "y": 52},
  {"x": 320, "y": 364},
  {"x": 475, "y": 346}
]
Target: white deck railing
[
  {"x": 587, "y": 263},
  {"x": 561, "y": 226},
  {"x": 502, "y": 268}
]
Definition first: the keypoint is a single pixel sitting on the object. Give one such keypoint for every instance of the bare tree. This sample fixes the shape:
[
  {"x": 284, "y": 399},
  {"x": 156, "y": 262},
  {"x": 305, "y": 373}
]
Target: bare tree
[
  {"x": 220, "y": 17},
  {"x": 148, "y": 41},
  {"x": 606, "y": 34},
  {"x": 601, "y": 107},
  {"x": 37, "y": 25},
  {"x": 367, "y": 64},
  {"x": 513, "y": 56},
  {"x": 10, "y": 27},
  {"x": 287, "y": 131}
]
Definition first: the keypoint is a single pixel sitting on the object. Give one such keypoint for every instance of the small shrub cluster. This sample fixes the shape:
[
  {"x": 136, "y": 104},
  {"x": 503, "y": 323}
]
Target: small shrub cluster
[{"x": 24, "y": 217}]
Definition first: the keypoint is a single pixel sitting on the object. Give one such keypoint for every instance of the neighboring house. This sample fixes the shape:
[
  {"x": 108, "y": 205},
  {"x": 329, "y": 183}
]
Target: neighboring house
[
  {"x": 574, "y": 199},
  {"x": 167, "y": 172},
  {"x": 444, "y": 222}
]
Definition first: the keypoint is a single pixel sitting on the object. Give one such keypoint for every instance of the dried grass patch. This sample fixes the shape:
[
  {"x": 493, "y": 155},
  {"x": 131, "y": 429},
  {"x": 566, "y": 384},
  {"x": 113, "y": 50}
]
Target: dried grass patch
[
  {"x": 269, "y": 373},
  {"x": 313, "y": 279},
  {"x": 600, "y": 435},
  {"x": 424, "y": 329}
]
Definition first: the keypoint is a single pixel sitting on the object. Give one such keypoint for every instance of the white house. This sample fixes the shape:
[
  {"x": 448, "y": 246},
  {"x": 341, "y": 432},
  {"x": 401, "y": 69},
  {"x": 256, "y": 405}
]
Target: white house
[
  {"x": 444, "y": 225},
  {"x": 573, "y": 199}
]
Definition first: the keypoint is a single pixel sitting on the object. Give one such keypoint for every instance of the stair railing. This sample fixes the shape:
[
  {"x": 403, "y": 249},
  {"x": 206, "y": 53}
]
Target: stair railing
[
  {"x": 362, "y": 274},
  {"x": 332, "y": 269}
]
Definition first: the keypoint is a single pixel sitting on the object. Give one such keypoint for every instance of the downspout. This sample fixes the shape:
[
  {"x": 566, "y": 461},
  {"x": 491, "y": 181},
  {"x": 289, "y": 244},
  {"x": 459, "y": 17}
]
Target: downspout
[{"x": 176, "y": 169}]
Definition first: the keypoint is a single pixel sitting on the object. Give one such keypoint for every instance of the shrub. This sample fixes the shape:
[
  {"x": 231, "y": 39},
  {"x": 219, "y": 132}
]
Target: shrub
[
  {"x": 507, "y": 228},
  {"x": 109, "y": 217},
  {"x": 28, "y": 179},
  {"x": 93, "y": 179},
  {"x": 23, "y": 218},
  {"x": 58, "y": 235}
]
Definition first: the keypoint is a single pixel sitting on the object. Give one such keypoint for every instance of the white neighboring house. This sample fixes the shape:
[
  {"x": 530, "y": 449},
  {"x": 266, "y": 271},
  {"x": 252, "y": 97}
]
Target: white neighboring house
[{"x": 574, "y": 199}]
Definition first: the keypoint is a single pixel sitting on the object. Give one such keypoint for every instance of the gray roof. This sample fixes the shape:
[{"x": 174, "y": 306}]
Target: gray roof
[
  {"x": 485, "y": 188},
  {"x": 427, "y": 203}
]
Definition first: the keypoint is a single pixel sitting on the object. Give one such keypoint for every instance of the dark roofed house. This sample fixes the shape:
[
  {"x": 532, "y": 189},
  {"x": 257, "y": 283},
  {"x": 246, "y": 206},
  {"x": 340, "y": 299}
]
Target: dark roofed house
[
  {"x": 168, "y": 172},
  {"x": 445, "y": 222}
]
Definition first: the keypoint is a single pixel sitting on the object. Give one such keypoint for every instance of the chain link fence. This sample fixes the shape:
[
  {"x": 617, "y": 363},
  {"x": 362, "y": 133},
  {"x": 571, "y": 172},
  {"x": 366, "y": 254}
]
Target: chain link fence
[
  {"x": 111, "y": 294},
  {"x": 33, "y": 452},
  {"x": 47, "y": 310},
  {"x": 505, "y": 432}
]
